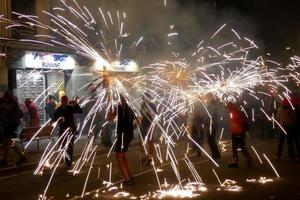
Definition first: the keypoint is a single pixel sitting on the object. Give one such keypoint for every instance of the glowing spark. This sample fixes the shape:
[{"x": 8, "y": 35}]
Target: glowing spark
[
  {"x": 172, "y": 34},
  {"x": 271, "y": 165},
  {"x": 257, "y": 155},
  {"x": 218, "y": 31}
]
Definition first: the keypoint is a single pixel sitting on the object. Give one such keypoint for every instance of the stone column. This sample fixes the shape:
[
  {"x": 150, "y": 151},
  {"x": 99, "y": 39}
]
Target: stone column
[{"x": 5, "y": 9}]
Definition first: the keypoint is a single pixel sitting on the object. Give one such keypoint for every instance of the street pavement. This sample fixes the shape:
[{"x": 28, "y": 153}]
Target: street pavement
[{"x": 22, "y": 184}]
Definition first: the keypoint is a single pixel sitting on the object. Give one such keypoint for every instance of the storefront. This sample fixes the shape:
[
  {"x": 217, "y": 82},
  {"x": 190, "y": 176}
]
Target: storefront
[
  {"x": 125, "y": 65},
  {"x": 38, "y": 74}
]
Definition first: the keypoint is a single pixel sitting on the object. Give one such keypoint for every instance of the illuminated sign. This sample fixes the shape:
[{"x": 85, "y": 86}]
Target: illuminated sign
[
  {"x": 124, "y": 65},
  {"x": 44, "y": 60}
]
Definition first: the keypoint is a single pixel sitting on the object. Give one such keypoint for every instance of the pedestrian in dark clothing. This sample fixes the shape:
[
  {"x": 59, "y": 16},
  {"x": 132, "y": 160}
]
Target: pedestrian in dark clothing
[
  {"x": 198, "y": 127},
  {"x": 213, "y": 127},
  {"x": 148, "y": 113},
  {"x": 10, "y": 115},
  {"x": 125, "y": 127},
  {"x": 50, "y": 107},
  {"x": 287, "y": 118},
  {"x": 64, "y": 115},
  {"x": 238, "y": 128}
]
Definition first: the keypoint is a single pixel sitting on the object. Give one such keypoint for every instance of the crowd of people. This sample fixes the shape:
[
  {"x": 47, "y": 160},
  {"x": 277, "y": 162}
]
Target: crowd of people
[{"x": 202, "y": 123}]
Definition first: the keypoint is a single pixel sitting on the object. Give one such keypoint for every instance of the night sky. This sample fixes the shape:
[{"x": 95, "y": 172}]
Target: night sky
[{"x": 275, "y": 24}]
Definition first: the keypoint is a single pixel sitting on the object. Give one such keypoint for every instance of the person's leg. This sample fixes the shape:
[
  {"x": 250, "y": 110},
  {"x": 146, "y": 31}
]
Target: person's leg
[
  {"x": 120, "y": 156},
  {"x": 70, "y": 150},
  {"x": 127, "y": 142},
  {"x": 20, "y": 153},
  {"x": 197, "y": 137},
  {"x": 17, "y": 149},
  {"x": 143, "y": 144},
  {"x": 211, "y": 139},
  {"x": 126, "y": 166},
  {"x": 119, "y": 162},
  {"x": 290, "y": 142},
  {"x": 234, "y": 143},
  {"x": 296, "y": 141},
  {"x": 280, "y": 144},
  {"x": 245, "y": 151},
  {"x": 6, "y": 145}
]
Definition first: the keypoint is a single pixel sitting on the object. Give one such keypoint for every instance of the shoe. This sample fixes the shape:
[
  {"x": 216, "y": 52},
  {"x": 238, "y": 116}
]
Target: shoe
[
  {"x": 128, "y": 182},
  {"x": 21, "y": 160},
  {"x": 3, "y": 162},
  {"x": 233, "y": 165}
]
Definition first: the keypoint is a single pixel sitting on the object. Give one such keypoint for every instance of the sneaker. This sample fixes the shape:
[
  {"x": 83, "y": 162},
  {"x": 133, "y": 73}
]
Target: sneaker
[
  {"x": 233, "y": 165},
  {"x": 3, "y": 162},
  {"x": 21, "y": 160}
]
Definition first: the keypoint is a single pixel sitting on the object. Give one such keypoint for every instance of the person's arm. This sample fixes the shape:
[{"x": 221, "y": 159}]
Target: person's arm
[{"x": 77, "y": 109}]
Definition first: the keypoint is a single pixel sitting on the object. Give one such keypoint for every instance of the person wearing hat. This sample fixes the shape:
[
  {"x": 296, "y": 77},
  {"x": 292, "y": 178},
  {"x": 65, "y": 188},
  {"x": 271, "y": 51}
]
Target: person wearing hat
[{"x": 64, "y": 116}]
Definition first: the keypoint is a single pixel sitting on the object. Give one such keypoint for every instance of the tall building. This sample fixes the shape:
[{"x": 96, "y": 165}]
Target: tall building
[
  {"x": 29, "y": 69},
  {"x": 5, "y": 8}
]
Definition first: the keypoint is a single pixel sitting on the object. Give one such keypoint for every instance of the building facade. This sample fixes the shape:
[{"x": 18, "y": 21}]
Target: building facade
[{"x": 28, "y": 69}]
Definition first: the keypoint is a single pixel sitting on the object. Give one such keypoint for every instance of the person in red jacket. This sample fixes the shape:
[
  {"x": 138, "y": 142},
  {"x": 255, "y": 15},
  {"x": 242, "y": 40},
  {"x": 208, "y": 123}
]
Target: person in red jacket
[
  {"x": 238, "y": 127},
  {"x": 33, "y": 111}
]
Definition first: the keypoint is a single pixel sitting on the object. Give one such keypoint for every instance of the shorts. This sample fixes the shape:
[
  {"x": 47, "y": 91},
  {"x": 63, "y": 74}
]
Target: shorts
[{"x": 126, "y": 142}]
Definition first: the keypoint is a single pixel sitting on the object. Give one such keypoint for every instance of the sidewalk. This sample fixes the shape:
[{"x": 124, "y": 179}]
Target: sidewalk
[{"x": 34, "y": 156}]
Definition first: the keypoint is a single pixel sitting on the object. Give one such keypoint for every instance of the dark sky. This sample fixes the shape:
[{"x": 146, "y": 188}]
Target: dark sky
[
  {"x": 273, "y": 24},
  {"x": 276, "y": 23}
]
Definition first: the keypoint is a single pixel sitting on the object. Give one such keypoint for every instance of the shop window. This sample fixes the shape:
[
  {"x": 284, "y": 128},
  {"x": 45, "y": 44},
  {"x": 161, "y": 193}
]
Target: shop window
[{"x": 26, "y": 7}]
